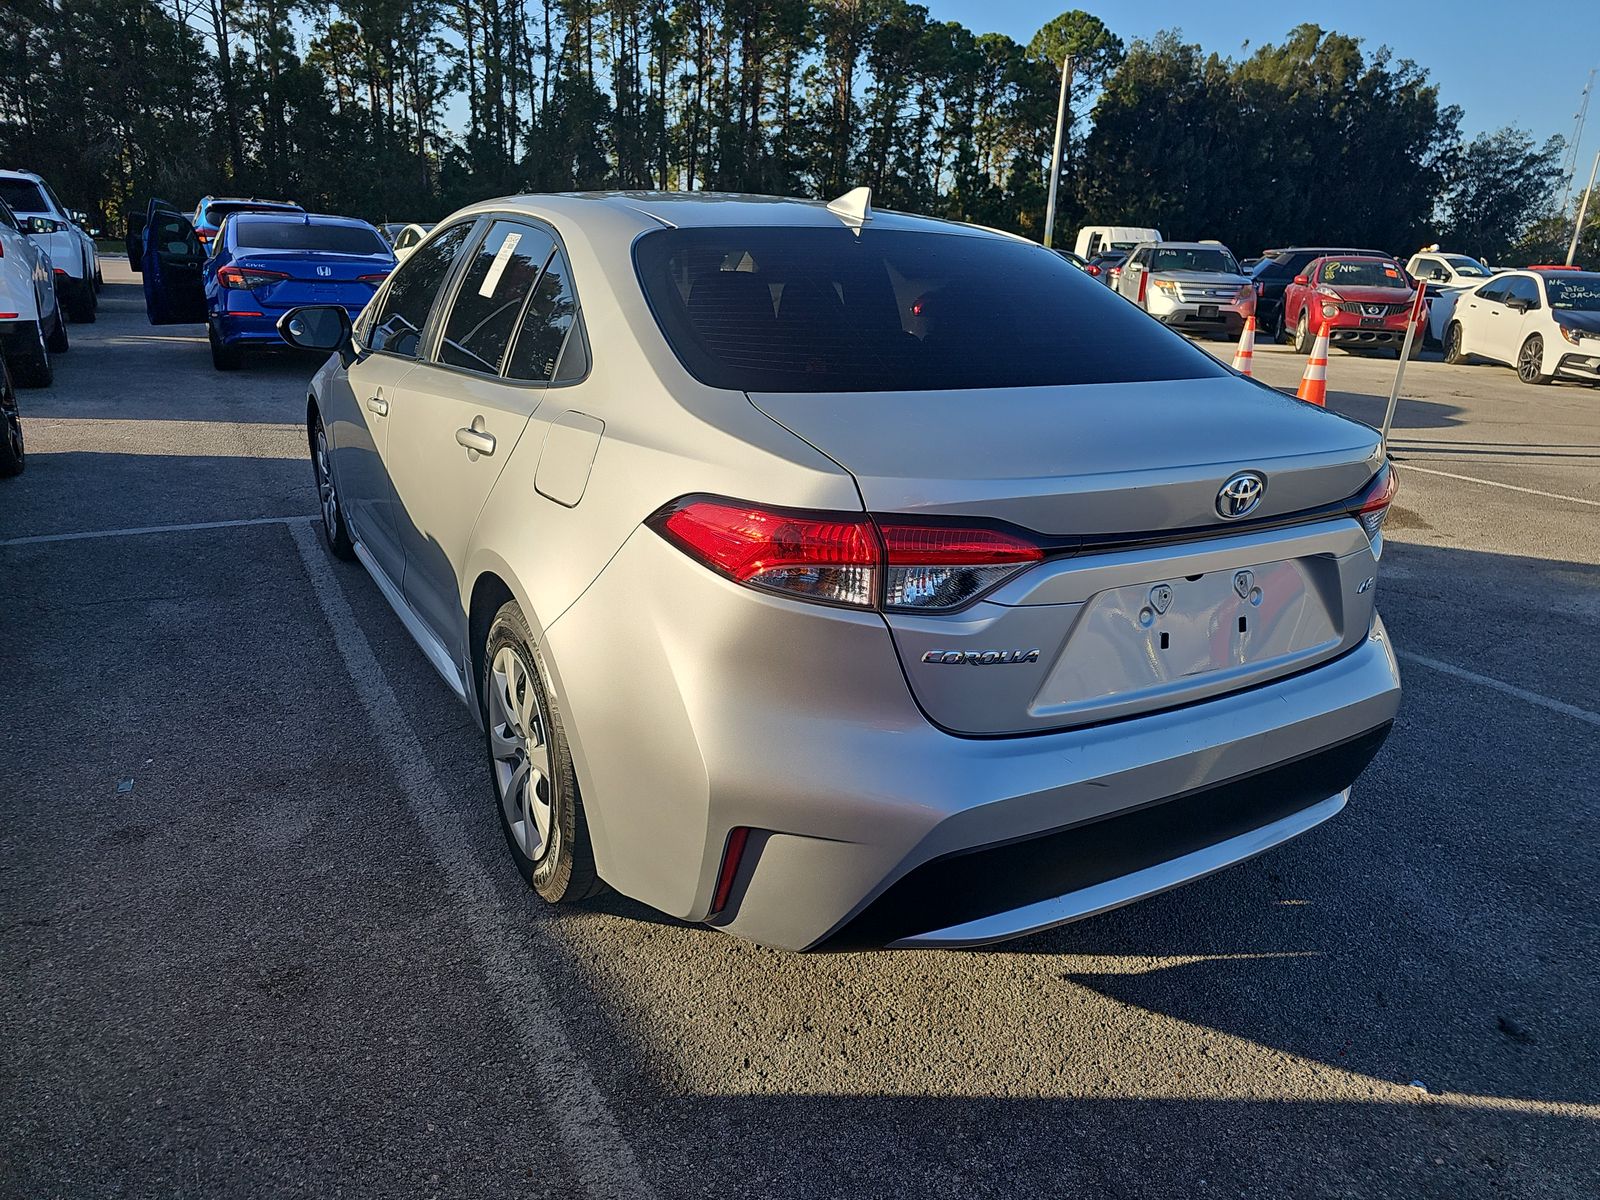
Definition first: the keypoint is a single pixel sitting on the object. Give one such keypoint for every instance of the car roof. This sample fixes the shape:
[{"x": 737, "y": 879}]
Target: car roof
[
  {"x": 12, "y": 173},
  {"x": 246, "y": 200},
  {"x": 308, "y": 218},
  {"x": 689, "y": 210},
  {"x": 1171, "y": 245}
]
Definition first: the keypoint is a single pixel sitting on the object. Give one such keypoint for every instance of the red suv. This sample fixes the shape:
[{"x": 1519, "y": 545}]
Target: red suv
[{"x": 1363, "y": 300}]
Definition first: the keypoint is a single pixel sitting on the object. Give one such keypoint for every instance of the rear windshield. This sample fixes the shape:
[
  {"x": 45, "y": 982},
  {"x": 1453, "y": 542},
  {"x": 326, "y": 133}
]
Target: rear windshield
[
  {"x": 1213, "y": 261},
  {"x": 1574, "y": 293},
  {"x": 218, "y": 209},
  {"x": 23, "y": 195},
  {"x": 830, "y": 310},
  {"x": 297, "y": 235},
  {"x": 1369, "y": 272}
]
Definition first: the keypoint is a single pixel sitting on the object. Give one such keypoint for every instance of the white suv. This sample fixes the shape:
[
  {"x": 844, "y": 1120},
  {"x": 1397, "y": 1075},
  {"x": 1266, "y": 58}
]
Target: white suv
[
  {"x": 31, "y": 325},
  {"x": 72, "y": 251}
]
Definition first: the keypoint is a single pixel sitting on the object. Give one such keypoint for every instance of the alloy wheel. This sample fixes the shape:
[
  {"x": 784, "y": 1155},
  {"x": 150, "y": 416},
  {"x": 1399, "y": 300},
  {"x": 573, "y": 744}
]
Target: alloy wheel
[
  {"x": 1452, "y": 343},
  {"x": 326, "y": 495},
  {"x": 520, "y": 747},
  {"x": 10, "y": 419},
  {"x": 1529, "y": 359}
]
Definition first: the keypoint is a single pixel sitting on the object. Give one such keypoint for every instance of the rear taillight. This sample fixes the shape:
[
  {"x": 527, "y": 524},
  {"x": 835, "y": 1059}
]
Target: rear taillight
[
  {"x": 1092, "y": 269},
  {"x": 938, "y": 566},
  {"x": 242, "y": 279},
  {"x": 1372, "y": 504},
  {"x": 846, "y": 558},
  {"x": 374, "y": 280}
]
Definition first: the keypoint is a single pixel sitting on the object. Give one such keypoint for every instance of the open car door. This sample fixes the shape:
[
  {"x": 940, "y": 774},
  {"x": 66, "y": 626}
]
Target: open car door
[
  {"x": 135, "y": 240},
  {"x": 173, "y": 261}
]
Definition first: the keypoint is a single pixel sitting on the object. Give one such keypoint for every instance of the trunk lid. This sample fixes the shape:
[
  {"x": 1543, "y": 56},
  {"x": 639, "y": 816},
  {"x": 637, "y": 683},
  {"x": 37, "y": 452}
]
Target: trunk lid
[
  {"x": 315, "y": 276},
  {"x": 1104, "y": 464}
]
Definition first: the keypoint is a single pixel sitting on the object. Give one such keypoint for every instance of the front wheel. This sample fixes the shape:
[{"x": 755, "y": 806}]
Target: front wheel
[
  {"x": 1302, "y": 335},
  {"x": 1530, "y": 361},
  {"x": 334, "y": 529},
  {"x": 1453, "y": 353},
  {"x": 13, "y": 454},
  {"x": 541, "y": 813}
]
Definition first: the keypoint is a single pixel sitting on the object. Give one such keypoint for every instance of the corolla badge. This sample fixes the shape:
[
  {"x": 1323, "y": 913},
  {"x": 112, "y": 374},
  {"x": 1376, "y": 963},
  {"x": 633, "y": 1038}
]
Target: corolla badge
[
  {"x": 1240, "y": 495},
  {"x": 981, "y": 658}
]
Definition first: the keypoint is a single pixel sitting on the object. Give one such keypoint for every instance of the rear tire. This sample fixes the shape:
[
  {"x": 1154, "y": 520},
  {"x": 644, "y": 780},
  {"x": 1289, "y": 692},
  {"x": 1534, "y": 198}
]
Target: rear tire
[
  {"x": 13, "y": 454},
  {"x": 1453, "y": 354},
  {"x": 80, "y": 302},
  {"x": 32, "y": 367},
  {"x": 223, "y": 356},
  {"x": 334, "y": 529},
  {"x": 58, "y": 342},
  {"x": 536, "y": 789}
]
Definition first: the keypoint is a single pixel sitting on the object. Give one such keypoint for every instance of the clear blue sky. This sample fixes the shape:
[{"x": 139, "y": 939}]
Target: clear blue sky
[{"x": 1502, "y": 63}]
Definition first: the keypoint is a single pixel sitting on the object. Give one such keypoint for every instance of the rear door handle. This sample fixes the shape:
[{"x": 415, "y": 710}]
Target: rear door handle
[
  {"x": 378, "y": 405},
  {"x": 476, "y": 439}
]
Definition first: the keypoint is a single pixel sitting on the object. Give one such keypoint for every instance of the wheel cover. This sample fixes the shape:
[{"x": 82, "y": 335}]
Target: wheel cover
[
  {"x": 326, "y": 495},
  {"x": 1528, "y": 360},
  {"x": 520, "y": 748}
]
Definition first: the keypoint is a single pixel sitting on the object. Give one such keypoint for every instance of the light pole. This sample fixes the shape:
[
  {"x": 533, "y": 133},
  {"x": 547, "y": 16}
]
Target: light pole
[
  {"x": 1055, "y": 158},
  {"x": 1583, "y": 210}
]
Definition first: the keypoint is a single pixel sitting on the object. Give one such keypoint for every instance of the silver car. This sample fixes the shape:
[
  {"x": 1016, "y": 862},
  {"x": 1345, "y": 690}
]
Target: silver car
[
  {"x": 843, "y": 578},
  {"x": 1194, "y": 286}
]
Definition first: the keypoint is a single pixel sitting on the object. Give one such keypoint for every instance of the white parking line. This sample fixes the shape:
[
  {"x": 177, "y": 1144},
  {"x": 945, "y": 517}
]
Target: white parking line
[
  {"x": 1510, "y": 689},
  {"x": 591, "y": 1143},
  {"x": 1406, "y": 467},
  {"x": 140, "y": 530}
]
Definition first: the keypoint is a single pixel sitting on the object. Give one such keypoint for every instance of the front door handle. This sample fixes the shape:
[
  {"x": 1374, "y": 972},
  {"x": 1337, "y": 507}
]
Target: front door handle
[
  {"x": 476, "y": 438},
  {"x": 378, "y": 405}
]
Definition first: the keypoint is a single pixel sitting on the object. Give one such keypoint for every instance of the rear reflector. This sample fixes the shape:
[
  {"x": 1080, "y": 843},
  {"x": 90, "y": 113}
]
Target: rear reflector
[
  {"x": 1372, "y": 503},
  {"x": 846, "y": 558},
  {"x": 731, "y": 854},
  {"x": 8, "y": 316}
]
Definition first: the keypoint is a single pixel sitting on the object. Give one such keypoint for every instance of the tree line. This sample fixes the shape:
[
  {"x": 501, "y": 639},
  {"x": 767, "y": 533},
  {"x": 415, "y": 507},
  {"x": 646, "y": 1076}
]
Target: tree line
[{"x": 406, "y": 109}]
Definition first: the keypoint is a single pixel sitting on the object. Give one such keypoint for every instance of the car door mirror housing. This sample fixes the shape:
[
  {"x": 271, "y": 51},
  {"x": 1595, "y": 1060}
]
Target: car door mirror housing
[
  {"x": 1301, "y": 281},
  {"x": 323, "y": 327},
  {"x": 43, "y": 225}
]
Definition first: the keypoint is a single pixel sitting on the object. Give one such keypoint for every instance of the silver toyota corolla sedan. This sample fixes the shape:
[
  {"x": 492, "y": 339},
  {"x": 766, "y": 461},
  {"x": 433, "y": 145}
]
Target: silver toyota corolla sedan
[{"x": 843, "y": 578}]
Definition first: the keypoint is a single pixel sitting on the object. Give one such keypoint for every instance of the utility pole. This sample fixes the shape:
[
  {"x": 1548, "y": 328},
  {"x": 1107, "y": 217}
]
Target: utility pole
[
  {"x": 1583, "y": 210},
  {"x": 1055, "y": 158}
]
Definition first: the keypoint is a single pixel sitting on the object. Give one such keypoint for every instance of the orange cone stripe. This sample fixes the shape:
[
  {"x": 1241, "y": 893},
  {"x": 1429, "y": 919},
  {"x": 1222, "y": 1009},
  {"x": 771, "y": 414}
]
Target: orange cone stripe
[
  {"x": 1314, "y": 383},
  {"x": 1247, "y": 347}
]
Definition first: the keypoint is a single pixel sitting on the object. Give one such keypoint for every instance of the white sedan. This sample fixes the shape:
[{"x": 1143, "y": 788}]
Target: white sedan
[{"x": 1544, "y": 323}]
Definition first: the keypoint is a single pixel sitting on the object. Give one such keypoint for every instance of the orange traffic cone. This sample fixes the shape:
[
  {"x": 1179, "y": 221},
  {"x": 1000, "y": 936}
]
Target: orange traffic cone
[
  {"x": 1247, "y": 346},
  {"x": 1314, "y": 383}
]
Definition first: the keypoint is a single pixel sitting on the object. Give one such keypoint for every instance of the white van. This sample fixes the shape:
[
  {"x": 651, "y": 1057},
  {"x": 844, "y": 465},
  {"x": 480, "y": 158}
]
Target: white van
[{"x": 1097, "y": 239}]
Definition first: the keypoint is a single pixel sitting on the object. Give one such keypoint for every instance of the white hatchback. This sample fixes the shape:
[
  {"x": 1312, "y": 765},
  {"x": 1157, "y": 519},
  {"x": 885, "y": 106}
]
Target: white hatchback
[{"x": 1545, "y": 323}]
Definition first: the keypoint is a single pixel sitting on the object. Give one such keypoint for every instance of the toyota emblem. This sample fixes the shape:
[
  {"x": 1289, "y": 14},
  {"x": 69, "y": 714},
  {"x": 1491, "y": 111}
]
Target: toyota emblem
[{"x": 1241, "y": 495}]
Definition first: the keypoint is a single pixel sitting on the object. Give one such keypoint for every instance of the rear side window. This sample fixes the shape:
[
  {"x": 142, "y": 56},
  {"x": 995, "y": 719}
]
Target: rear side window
[
  {"x": 545, "y": 328},
  {"x": 830, "y": 310},
  {"x": 253, "y": 233},
  {"x": 492, "y": 294},
  {"x": 411, "y": 292},
  {"x": 1494, "y": 290}
]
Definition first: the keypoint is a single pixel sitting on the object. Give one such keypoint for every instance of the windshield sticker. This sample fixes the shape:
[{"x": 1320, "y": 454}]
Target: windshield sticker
[{"x": 498, "y": 267}]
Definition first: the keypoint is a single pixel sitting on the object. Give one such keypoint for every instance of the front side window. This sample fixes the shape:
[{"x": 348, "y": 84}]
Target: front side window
[
  {"x": 1493, "y": 291},
  {"x": 492, "y": 294},
  {"x": 545, "y": 328},
  {"x": 23, "y": 195},
  {"x": 839, "y": 310},
  {"x": 1523, "y": 288},
  {"x": 412, "y": 290}
]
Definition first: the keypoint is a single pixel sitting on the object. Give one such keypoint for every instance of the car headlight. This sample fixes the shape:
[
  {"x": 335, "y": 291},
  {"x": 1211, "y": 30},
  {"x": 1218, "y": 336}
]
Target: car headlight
[
  {"x": 1330, "y": 310},
  {"x": 1572, "y": 335},
  {"x": 1165, "y": 285}
]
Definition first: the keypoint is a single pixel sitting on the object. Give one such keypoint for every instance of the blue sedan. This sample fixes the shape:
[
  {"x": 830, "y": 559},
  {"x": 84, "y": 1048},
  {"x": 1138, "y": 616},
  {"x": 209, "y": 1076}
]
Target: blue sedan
[{"x": 263, "y": 265}]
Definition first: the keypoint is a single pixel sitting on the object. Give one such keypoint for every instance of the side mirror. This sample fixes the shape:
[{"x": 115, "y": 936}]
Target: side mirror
[
  {"x": 1301, "y": 281},
  {"x": 43, "y": 225},
  {"x": 1439, "y": 275},
  {"x": 321, "y": 327},
  {"x": 1519, "y": 303}
]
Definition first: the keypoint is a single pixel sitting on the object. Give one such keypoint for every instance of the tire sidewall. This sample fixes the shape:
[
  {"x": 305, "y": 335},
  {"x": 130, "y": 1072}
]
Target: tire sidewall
[
  {"x": 551, "y": 875},
  {"x": 1302, "y": 335}
]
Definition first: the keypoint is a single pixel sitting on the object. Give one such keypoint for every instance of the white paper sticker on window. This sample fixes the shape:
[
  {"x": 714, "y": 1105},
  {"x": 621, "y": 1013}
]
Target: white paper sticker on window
[{"x": 498, "y": 267}]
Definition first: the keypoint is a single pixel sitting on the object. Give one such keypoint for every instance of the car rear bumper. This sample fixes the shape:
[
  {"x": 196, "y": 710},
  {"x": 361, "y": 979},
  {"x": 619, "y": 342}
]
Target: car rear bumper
[
  {"x": 795, "y": 722},
  {"x": 258, "y": 327}
]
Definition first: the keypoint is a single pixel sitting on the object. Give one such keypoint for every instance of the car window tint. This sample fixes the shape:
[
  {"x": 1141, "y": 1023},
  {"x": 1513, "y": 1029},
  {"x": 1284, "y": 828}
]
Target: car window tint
[
  {"x": 412, "y": 290},
  {"x": 1494, "y": 290},
  {"x": 493, "y": 290},
  {"x": 844, "y": 310},
  {"x": 1523, "y": 288},
  {"x": 174, "y": 237},
  {"x": 259, "y": 233},
  {"x": 544, "y": 328},
  {"x": 23, "y": 195}
]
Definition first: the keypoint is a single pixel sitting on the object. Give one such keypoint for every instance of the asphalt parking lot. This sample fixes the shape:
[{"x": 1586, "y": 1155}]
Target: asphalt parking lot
[{"x": 259, "y": 935}]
